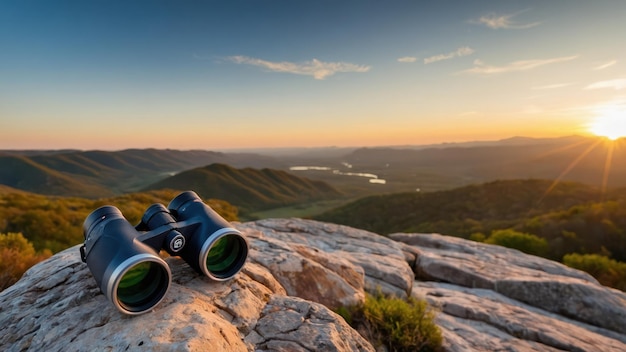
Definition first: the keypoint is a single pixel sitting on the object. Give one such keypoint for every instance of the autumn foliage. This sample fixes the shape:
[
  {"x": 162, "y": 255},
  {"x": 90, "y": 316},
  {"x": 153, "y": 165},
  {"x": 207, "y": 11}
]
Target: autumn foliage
[{"x": 17, "y": 254}]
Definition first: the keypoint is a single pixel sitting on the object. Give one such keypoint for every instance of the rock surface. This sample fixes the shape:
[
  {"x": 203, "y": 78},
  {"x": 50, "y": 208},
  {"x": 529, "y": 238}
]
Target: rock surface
[
  {"x": 488, "y": 297},
  {"x": 513, "y": 300}
]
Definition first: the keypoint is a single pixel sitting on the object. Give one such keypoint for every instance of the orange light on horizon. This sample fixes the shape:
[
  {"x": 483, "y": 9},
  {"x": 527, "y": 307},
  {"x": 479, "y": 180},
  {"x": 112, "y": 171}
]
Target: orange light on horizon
[{"x": 612, "y": 124}]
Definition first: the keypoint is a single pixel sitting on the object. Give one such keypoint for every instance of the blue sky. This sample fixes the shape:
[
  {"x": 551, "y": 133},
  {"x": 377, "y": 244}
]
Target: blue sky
[{"x": 244, "y": 74}]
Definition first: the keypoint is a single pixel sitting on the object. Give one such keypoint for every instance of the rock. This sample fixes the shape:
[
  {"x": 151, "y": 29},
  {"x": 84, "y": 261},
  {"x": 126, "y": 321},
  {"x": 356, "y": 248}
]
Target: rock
[
  {"x": 513, "y": 299},
  {"x": 380, "y": 259},
  {"x": 503, "y": 323},
  {"x": 488, "y": 297},
  {"x": 57, "y": 306},
  {"x": 290, "y": 324},
  {"x": 310, "y": 273},
  {"x": 478, "y": 263}
]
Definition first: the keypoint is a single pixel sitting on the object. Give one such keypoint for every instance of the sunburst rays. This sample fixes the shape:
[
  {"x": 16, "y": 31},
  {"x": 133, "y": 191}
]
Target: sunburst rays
[{"x": 610, "y": 146}]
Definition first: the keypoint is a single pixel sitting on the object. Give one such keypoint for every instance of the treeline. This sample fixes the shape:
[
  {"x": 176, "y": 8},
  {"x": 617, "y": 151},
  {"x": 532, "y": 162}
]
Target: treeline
[
  {"x": 32, "y": 226},
  {"x": 569, "y": 218},
  {"x": 465, "y": 210}
]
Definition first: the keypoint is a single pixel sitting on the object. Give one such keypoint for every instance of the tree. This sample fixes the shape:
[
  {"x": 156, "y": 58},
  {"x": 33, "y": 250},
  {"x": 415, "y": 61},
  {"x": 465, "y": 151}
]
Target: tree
[{"x": 17, "y": 254}]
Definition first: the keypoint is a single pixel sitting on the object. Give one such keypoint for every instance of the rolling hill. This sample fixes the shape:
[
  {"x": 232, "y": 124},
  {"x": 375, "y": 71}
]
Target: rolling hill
[
  {"x": 459, "y": 211},
  {"x": 94, "y": 174},
  {"x": 23, "y": 173},
  {"x": 572, "y": 217},
  {"x": 248, "y": 188}
]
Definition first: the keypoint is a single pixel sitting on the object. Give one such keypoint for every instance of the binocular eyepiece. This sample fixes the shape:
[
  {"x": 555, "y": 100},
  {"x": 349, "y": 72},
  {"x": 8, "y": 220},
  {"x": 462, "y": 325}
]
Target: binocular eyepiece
[{"x": 124, "y": 259}]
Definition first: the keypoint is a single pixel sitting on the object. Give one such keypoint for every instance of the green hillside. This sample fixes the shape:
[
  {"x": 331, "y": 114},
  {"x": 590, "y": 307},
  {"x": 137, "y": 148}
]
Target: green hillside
[
  {"x": 248, "y": 188},
  {"x": 573, "y": 217},
  {"x": 94, "y": 174},
  {"x": 456, "y": 211},
  {"x": 23, "y": 173}
]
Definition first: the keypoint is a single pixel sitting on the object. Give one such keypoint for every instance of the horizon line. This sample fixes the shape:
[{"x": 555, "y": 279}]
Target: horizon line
[{"x": 222, "y": 149}]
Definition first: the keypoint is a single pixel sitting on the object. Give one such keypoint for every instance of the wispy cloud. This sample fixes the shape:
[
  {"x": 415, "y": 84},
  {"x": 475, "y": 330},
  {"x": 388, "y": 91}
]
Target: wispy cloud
[
  {"x": 605, "y": 65},
  {"x": 495, "y": 21},
  {"x": 463, "y": 51},
  {"x": 522, "y": 65},
  {"x": 407, "y": 59},
  {"x": 316, "y": 68},
  {"x": 552, "y": 86},
  {"x": 617, "y": 84}
]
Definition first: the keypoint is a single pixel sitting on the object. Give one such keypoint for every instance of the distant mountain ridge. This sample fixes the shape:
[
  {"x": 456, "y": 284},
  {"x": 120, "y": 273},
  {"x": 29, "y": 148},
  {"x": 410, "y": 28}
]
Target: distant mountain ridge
[
  {"x": 93, "y": 174},
  {"x": 593, "y": 161},
  {"x": 248, "y": 188}
]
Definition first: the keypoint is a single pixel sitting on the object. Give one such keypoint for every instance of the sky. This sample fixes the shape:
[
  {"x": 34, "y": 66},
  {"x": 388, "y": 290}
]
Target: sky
[{"x": 261, "y": 74}]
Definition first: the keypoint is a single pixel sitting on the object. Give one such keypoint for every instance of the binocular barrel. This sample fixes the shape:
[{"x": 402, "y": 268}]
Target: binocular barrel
[
  {"x": 220, "y": 251},
  {"x": 124, "y": 259},
  {"x": 129, "y": 273}
]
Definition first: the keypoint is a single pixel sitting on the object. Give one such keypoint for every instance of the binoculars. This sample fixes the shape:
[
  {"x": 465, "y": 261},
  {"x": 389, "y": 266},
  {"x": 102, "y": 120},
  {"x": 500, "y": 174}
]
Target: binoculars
[{"x": 124, "y": 259}]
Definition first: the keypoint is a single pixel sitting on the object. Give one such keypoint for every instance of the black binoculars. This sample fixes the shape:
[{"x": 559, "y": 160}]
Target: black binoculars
[{"x": 124, "y": 259}]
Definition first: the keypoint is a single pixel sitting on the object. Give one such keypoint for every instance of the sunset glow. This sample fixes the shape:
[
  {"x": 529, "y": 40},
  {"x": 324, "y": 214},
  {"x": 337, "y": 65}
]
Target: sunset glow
[
  {"x": 232, "y": 75},
  {"x": 612, "y": 126}
]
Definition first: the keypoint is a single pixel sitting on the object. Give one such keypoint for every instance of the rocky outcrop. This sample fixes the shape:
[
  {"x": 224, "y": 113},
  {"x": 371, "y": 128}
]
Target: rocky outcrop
[
  {"x": 488, "y": 298},
  {"x": 513, "y": 300},
  {"x": 362, "y": 259}
]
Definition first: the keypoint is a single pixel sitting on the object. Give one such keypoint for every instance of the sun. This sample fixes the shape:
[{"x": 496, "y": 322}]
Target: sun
[{"x": 611, "y": 126}]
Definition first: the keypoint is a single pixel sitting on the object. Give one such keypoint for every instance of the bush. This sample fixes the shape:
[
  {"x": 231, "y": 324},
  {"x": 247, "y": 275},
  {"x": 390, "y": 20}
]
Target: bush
[
  {"x": 17, "y": 254},
  {"x": 400, "y": 325},
  {"x": 607, "y": 271},
  {"x": 477, "y": 237},
  {"x": 524, "y": 242}
]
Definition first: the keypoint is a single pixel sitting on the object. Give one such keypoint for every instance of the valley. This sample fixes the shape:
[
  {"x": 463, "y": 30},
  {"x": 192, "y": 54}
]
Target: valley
[{"x": 555, "y": 197}]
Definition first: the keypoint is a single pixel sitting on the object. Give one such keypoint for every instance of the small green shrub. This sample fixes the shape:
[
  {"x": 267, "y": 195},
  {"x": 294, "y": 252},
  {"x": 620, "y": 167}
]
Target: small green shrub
[
  {"x": 400, "y": 325},
  {"x": 524, "y": 242},
  {"x": 607, "y": 271},
  {"x": 477, "y": 237}
]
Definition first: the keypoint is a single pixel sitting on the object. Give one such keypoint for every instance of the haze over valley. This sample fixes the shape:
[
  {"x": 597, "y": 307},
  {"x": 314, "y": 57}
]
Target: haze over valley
[{"x": 352, "y": 171}]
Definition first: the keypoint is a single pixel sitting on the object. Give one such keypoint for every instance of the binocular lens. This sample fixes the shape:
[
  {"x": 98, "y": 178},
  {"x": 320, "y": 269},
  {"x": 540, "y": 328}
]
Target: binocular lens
[
  {"x": 226, "y": 256},
  {"x": 141, "y": 286}
]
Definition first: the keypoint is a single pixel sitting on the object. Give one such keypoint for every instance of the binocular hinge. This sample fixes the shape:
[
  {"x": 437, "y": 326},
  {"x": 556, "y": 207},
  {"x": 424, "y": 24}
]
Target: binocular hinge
[{"x": 83, "y": 256}]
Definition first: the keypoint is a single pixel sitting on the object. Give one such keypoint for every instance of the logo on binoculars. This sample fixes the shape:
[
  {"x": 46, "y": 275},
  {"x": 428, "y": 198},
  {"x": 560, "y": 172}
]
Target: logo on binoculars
[{"x": 177, "y": 243}]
